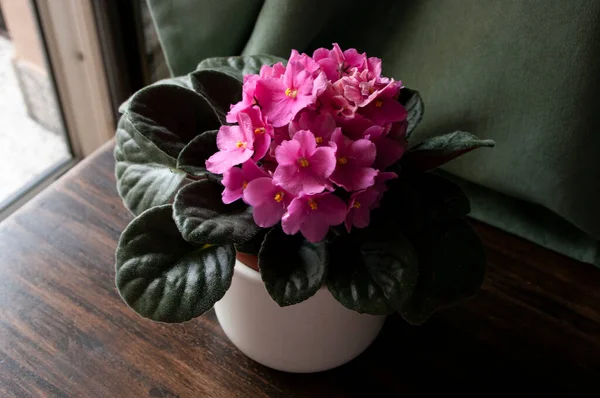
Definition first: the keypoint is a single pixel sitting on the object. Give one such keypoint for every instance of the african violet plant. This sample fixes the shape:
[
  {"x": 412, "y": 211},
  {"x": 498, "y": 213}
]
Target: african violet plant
[{"x": 304, "y": 163}]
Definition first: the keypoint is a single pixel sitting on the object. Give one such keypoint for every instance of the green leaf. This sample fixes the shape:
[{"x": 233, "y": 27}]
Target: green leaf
[
  {"x": 413, "y": 103},
  {"x": 146, "y": 176},
  {"x": 221, "y": 89},
  {"x": 237, "y": 67},
  {"x": 202, "y": 217},
  {"x": 181, "y": 81},
  {"x": 441, "y": 199},
  {"x": 292, "y": 268},
  {"x": 163, "y": 277},
  {"x": 451, "y": 268},
  {"x": 393, "y": 264},
  {"x": 372, "y": 271},
  {"x": 415, "y": 199},
  {"x": 436, "y": 151},
  {"x": 192, "y": 158},
  {"x": 253, "y": 245},
  {"x": 171, "y": 116}
]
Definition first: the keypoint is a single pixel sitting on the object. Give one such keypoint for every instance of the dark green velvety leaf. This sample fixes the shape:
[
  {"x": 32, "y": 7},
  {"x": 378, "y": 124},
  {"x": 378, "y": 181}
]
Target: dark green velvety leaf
[
  {"x": 292, "y": 268},
  {"x": 163, "y": 277},
  {"x": 451, "y": 268},
  {"x": 171, "y": 116},
  {"x": 237, "y": 67},
  {"x": 412, "y": 101},
  {"x": 372, "y": 273},
  {"x": 393, "y": 264},
  {"x": 146, "y": 177},
  {"x": 441, "y": 199},
  {"x": 192, "y": 158},
  {"x": 253, "y": 245},
  {"x": 221, "y": 89},
  {"x": 435, "y": 151},
  {"x": 202, "y": 217},
  {"x": 181, "y": 81},
  {"x": 416, "y": 199}
]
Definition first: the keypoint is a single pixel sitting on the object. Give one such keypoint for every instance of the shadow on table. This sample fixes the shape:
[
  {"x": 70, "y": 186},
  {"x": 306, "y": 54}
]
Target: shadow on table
[{"x": 439, "y": 357}]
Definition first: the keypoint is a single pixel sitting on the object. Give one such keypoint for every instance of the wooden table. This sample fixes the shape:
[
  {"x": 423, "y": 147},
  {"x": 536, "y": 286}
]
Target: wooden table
[{"x": 64, "y": 331}]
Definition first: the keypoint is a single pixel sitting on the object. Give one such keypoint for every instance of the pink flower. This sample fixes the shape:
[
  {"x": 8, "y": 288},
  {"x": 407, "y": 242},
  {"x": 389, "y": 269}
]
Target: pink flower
[
  {"x": 333, "y": 101},
  {"x": 321, "y": 125},
  {"x": 236, "y": 180},
  {"x": 353, "y": 158},
  {"x": 269, "y": 201},
  {"x": 275, "y": 71},
  {"x": 389, "y": 150},
  {"x": 313, "y": 215},
  {"x": 307, "y": 62},
  {"x": 355, "y": 128},
  {"x": 303, "y": 168},
  {"x": 359, "y": 208},
  {"x": 282, "y": 98},
  {"x": 336, "y": 63},
  {"x": 359, "y": 89},
  {"x": 253, "y": 121},
  {"x": 236, "y": 145},
  {"x": 280, "y": 134},
  {"x": 374, "y": 70},
  {"x": 248, "y": 99},
  {"x": 385, "y": 108}
]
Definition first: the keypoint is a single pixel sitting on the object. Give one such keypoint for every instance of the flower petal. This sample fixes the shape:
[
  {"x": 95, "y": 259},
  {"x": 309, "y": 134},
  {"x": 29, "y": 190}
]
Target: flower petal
[
  {"x": 252, "y": 171},
  {"x": 307, "y": 142},
  {"x": 275, "y": 104},
  {"x": 262, "y": 143},
  {"x": 322, "y": 162},
  {"x": 362, "y": 152},
  {"x": 233, "y": 180},
  {"x": 288, "y": 153},
  {"x": 268, "y": 214},
  {"x": 292, "y": 220},
  {"x": 314, "y": 228},
  {"x": 222, "y": 161},
  {"x": 331, "y": 209},
  {"x": 259, "y": 191},
  {"x": 228, "y": 137}
]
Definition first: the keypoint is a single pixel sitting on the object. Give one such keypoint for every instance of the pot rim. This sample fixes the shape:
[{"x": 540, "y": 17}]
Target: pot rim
[{"x": 246, "y": 271}]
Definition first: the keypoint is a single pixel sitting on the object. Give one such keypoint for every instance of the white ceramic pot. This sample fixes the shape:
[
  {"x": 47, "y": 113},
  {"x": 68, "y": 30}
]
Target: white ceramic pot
[{"x": 315, "y": 335}]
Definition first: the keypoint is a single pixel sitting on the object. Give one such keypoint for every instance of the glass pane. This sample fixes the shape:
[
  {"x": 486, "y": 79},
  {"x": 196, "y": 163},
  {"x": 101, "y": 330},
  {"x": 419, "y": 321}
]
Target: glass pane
[{"x": 33, "y": 140}]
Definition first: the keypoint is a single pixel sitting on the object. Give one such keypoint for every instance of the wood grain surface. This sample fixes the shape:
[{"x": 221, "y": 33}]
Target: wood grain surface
[{"x": 64, "y": 331}]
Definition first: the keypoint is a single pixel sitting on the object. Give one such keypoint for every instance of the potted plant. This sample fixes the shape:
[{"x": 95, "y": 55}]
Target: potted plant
[{"x": 303, "y": 170}]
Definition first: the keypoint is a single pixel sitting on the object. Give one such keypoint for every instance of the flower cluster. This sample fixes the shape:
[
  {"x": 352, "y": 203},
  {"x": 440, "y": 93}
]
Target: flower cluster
[{"x": 313, "y": 139}]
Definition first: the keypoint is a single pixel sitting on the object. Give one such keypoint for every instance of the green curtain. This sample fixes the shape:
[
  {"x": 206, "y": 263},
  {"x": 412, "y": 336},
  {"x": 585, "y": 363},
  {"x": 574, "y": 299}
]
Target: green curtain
[{"x": 522, "y": 72}]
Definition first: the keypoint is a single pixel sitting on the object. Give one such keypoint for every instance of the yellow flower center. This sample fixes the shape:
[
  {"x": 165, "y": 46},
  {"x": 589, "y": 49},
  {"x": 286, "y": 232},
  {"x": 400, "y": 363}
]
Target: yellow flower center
[
  {"x": 292, "y": 93},
  {"x": 356, "y": 204},
  {"x": 319, "y": 140},
  {"x": 379, "y": 103},
  {"x": 240, "y": 144},
  {"x": 342, "y": 160},
  {"x": 303, "y": 162},
  {"x": 313, "y": 205},
  {"x": 278, "y": 196},
  {"x": 259, "y": 130},
  {"x": 244, "y": 184}
]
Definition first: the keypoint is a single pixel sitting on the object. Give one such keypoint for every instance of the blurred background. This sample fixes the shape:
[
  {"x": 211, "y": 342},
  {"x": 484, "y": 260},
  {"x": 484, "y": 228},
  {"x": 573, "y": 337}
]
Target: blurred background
[{"x": 65, "y": 66}]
